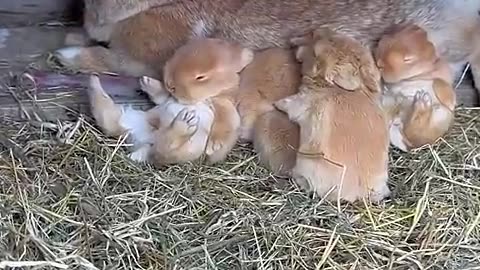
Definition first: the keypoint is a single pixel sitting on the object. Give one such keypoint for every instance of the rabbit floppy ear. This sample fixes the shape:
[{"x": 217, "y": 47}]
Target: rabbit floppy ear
[
  {"x": 238, "y": 56},
  {"x": 351, "y": 78},
  {"x": 305, "y": 54},
  {"x": 294, "y": 106},
  {"x": 345, "y": 76},
  {"x": 371, "y": 78},
  {"x": 323, "y": 33},
  {"x": 302, "y": 40},
  {"x": 303, "y": 44},
  {"x": 246, "y": 57}
]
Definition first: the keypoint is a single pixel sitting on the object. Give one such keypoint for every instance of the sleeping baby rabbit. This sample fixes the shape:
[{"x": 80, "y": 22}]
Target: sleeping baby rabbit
[
  {"x": 273, "y": 74},
  {"x": 343, "y": 147},
  {"x": 418, "y": 98},
  {"x": 195, "y": 112}
]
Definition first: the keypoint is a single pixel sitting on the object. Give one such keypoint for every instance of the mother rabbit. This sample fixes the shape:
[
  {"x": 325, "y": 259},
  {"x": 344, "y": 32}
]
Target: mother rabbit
[{"x": 142, "y": 34}]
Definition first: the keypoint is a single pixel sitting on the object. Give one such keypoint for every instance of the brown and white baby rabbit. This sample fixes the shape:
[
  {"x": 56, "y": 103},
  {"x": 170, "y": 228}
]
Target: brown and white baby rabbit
[
  {"x": 195, "y": 113},
  {"x": 168, "y": 133},
  {"x": 418, "y": 96},
  {"x": 207, "y": 71},
  {"x": 343, "y": 132}
]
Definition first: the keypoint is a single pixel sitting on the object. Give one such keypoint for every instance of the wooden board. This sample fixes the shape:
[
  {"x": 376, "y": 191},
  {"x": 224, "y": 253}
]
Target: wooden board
[
  {"x": 23, "y": 46},
  {"x": 29, "y": 12},
  {"x": 26, "y": 48},
  {"x": 22, "y": 98},
  {"x": 467, "y": 95}
]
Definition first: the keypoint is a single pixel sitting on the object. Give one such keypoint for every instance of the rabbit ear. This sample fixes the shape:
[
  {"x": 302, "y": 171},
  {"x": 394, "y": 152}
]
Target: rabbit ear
[
  {"x": 371, "y": 78},
  {"x": 351, "y": 78},
  {"x": 322, "y": 33},
  {"x": 412, "y": 28},
  {"x": 292, "y": 105},
  {"x": 289, "y": 103},
  {"x": 302, "y": 40},
  {"x": 246, "y": 57},
  {"x": 346, "y": 77},
  {"x": 306, "y": 56},
  {"x": 303, "y": 53},
  {"x": 285, "y": 104},
  {"x": 321, "y": 47}
]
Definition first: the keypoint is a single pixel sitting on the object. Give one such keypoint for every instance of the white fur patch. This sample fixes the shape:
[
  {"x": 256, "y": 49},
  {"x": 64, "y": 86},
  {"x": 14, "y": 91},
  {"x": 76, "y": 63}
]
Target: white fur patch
[
  {"x": 69, "y": 52},
  {"x": 136, "y": 123},
  {"x": 4, "y": 34},
  {"x": 141, "y": 154},
  {"x": 441, "y": 115},
  {"x": 396, "y": 137}
]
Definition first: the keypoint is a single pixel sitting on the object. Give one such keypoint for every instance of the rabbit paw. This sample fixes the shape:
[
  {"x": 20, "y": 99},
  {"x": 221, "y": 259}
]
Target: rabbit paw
[
  {"x": 246, "y": 133},
  {"x": 380, "y": 194},
  {"x": 140, "y": 155},
  {"x": 150, "y": 85},
  {"x": 422, "y": 101},
  {"x": 303, "y": 183},
  {"x": 186, "y": 122},
  {"x": 69, "y": 56},
  {"x": 213, "y": 146}
]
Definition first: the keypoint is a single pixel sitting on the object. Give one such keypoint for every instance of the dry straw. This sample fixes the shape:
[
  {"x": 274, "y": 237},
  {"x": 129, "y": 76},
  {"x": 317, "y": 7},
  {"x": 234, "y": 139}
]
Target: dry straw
[{"x": 70, "y": 199}]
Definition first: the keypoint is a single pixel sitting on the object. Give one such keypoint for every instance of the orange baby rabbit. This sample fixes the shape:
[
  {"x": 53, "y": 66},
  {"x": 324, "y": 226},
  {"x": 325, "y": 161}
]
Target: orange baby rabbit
[
  {"x": 343, "y": 148},
  {"x": 195, "y": 113},
  {"x": 273, "y": 74},
  {"x": 419, "y": 97},
  {"x": 207, "y": 70}
]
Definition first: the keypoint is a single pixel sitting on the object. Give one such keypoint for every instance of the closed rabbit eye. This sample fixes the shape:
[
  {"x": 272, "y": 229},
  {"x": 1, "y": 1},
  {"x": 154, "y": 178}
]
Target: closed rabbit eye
[
  {"x": 200, "y": 78},
  {"x": 408, "y": 59}
]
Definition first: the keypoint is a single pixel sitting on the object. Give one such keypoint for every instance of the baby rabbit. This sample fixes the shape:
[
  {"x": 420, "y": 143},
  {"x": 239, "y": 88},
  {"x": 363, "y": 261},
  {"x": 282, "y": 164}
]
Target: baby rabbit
[
  {"x": 195, "y": 113},
  {"x": 207, "y": 70},
  {"x": 177, "y": 132},
  {"x": 343, "y": 132},
  {"x": 274, "y": 74},
  {"x": 418, "y": 97}
]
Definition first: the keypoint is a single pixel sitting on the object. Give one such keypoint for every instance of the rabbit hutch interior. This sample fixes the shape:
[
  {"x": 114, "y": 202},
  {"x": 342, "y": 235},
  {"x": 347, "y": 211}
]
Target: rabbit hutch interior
[
  {"x": 71, "y": 199},
  {"x": 29, "y": 31}
]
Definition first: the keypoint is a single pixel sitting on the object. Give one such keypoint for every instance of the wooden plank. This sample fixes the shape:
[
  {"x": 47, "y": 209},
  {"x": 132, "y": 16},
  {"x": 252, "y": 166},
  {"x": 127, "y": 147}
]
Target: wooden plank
[
  {"x": 23, "y": 46},
  {"x": 29, "y": 12},
  {"x": 51, "y": 97},
  {"x": 24, "y": 49},
  {"x": 467, "y": 95}
]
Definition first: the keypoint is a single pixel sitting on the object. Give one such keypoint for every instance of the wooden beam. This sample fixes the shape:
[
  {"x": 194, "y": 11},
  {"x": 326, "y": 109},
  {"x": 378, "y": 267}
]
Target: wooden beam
[
  {"x": 467, "y": 95},
  {"x": 55, "y": 98},
  {"x": 28, "y": 12},
  {"x": 23, "y": 46},
  {"x": 50, "y": 96},
  {"x": 47, "y": 96}
]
